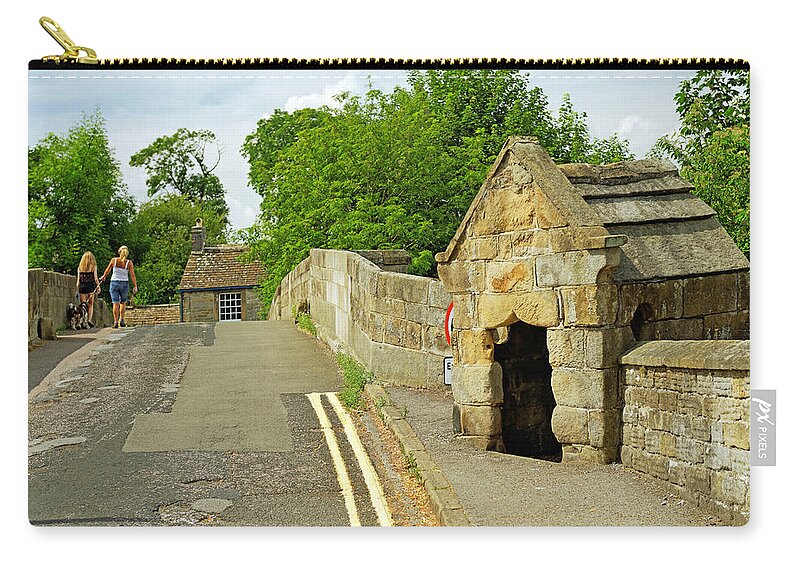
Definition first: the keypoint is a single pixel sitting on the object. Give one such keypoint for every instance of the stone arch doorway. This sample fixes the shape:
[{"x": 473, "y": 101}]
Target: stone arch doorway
[{"x": 528, "y": 400}]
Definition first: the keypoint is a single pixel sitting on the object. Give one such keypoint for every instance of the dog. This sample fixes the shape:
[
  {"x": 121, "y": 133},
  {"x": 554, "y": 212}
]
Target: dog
[{"x": 78, "y": 316}]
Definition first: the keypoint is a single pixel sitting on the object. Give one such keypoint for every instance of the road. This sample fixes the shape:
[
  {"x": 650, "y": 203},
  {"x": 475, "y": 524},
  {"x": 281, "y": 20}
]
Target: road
[{"x": 203, "y": 424}]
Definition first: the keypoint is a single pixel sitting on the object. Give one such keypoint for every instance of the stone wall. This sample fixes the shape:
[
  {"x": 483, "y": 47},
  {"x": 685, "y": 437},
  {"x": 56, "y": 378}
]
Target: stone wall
[
  {"x": 203, "y": 306},
  {"x": 391, "y": 322},
  {"x": 686, "y": 419},
  {"x": 153, "y": 314},
  {"x": 49, "y": 293}
]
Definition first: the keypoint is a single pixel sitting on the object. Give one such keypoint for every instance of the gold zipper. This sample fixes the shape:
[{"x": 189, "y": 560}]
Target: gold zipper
[{"x": 72, "y": 55}]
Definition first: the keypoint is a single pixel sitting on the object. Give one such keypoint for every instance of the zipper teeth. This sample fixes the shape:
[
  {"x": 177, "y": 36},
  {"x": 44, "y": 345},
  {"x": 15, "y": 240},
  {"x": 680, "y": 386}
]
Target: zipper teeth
[{"x": 700, "y": 62}]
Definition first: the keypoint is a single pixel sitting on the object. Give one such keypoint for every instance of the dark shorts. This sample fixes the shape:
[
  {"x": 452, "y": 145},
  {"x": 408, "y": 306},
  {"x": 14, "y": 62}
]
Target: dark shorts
[
  {"x": 86, "y": 288},
  {"x": 119, "y": 291}
]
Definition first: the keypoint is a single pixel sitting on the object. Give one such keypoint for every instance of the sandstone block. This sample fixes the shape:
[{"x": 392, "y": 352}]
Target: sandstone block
[
  {"x": 729, "y": 487},
  {"x": 480, "y": 420},
  {"x": 604, "y": 428},
  {"x": 689, "y": 450},
  {"x": 478, "y": 384},
  {"x": 589, "y": 305},
  {"x": 464, "y": 316},
  {"x": 667, "y": 444},
  {"x": 548, "y": 215},
  {"x": 673, "y": 329},
  {"x": 585, "y": 388},
  {"x": 566, "y": 347},
  {"x": 538, "y": 308},
  {"x": 710, "y": 294},
  {"x": 437, "y": 296},
  {"x": 571, "y": 425},
  {"x": 677, "y": 472},
  {"x": 495, "y": 310},
  {"x": 736, "y": 434},
  {"x": 658, "y": 466},
  {"x": 434, "y": 341},
  {"x": 528, "y": 243},
  {"x": 699, "y": 428},
  {"x": 504, "y": 210},
  {"x": 668, "y": 400},
  {"x": 605, "y": 346},
  {"x": 507, "y": 276},
  {"x": 698, "y": 479},
  {"x": 482, "y": 248},
  {"x": 475, "y": 347},
  {"x": 743, "y": 292},
  {"x": 717, "y": 457},
  {"x": 463, "y": 276},
  {"x": 664, "y": 299},
  {"x": 47, "y": 330},
  {"x": 409, "y": 288},
  {"x": 575, "y": 267},
  {"x": 725, "y": 326},
  {"x": 577, "y": 238}
]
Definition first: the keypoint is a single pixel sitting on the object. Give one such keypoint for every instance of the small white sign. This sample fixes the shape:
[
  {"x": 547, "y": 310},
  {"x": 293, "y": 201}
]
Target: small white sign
[{"x": 448, "y": 370}]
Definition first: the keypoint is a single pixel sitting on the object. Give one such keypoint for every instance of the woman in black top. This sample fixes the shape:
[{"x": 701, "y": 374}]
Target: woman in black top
[{"x": 88, "y": 284}]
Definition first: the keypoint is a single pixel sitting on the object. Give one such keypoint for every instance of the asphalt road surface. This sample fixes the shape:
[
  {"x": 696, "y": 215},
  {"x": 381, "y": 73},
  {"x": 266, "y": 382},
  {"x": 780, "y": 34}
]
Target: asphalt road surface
[{"x": 200, "y": 424}]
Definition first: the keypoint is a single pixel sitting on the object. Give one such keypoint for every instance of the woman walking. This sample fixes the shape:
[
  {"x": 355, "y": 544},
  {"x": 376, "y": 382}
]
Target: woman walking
[
  {"x": 121, "y": 269},
  {"x": 88, "y": 284}
]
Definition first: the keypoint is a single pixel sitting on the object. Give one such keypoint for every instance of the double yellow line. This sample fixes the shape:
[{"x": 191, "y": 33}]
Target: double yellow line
[{"x": 367, "y": 469}]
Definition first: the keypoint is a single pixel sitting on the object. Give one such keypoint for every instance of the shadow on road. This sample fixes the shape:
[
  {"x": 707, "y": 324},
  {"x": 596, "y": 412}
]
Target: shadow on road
[{"x": 44, "y": 357}]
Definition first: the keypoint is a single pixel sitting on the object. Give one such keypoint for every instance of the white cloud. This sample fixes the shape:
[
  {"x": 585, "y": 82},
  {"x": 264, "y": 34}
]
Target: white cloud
[
  {"x": 349, "y": 82},
  {"x": 631, "y": 124}
]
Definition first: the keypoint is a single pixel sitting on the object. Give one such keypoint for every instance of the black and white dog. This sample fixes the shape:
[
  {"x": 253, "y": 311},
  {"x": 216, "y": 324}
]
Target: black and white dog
[{"x": 78, "y": 316}]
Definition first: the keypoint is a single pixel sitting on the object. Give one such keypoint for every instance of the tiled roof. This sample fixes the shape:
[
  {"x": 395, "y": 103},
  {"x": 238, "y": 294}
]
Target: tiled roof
[{"x": 219, "y": 266}]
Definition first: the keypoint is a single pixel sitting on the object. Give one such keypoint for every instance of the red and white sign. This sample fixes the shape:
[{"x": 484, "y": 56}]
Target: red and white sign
[{"x": 448, "y": 323}]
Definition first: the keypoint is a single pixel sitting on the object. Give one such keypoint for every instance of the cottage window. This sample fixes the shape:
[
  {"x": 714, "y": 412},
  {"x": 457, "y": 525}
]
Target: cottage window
[{"x": 230, "y": 306}]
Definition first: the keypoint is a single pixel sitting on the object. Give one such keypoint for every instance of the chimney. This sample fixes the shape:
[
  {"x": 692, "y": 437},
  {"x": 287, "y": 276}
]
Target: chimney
[{"x": 198, "y": 236}]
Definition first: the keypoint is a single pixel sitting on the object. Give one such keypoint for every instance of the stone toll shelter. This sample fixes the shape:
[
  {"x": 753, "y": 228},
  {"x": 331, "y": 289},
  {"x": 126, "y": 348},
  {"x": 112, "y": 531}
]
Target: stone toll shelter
[{"x": 556, "y": 272}]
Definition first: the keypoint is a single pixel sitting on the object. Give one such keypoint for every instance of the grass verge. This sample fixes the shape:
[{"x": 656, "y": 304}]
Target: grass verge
[
  {"x": 304, "y": 323},
  {"x": 355, "y": 377}
]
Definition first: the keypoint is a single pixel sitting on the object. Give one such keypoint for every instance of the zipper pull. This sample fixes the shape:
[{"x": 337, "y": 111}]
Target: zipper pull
[{"x": 72, "y": 53}]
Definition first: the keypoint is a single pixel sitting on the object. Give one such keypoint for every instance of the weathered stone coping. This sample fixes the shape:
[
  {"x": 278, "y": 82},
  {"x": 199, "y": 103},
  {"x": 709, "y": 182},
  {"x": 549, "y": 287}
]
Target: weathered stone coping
[{"x": 691, "y": 354}]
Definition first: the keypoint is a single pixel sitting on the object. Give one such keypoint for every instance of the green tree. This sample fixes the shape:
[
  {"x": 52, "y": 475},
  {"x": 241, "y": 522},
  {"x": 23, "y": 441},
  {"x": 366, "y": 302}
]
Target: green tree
[
  {"x": 712, "y": 145},
  {"x": 76, "y": 198},
  {"x": 160, "y": 242},
  {"x": 185, "y": 162},
  {"x": 394, "y": 170}
]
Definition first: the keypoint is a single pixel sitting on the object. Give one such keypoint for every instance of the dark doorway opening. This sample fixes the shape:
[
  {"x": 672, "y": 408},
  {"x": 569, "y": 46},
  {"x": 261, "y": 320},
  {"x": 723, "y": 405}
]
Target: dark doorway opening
[
  {"x": 641, "y": 326},
  {"x": 528, "y": 400}
]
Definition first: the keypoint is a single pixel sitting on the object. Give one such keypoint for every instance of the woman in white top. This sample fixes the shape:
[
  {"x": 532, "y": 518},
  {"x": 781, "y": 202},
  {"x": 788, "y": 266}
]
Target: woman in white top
[{"x": 121, "y": 269}]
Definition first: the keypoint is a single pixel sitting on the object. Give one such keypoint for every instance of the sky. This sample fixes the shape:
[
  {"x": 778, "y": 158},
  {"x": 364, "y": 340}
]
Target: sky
[{"x": 140, "y": 106}]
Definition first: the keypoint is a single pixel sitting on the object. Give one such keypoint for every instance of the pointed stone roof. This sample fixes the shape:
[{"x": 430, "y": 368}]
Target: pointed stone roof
[
  {"x": 670, "y": 232},
  {"x": 220, "y": 267}
]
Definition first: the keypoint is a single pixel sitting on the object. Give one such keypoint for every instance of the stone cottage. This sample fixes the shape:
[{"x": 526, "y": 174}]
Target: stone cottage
[
  {"x": 216, "y": 285},
  {"x": 555, "y": 272}
]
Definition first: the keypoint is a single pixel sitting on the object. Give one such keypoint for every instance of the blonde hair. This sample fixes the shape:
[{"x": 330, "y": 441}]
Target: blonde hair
[
  {"x": 88, "y": 262},
  {"x": 123, "y": 252}
]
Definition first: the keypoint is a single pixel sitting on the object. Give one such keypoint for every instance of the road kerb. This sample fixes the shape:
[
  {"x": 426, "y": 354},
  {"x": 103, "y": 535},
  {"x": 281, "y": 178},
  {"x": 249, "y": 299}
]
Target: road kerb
[{"x": 445, "y": 503}]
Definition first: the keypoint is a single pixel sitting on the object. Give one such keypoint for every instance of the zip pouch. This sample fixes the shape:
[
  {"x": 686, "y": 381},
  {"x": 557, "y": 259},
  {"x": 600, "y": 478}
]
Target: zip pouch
[{"x": 388, "y": 293}]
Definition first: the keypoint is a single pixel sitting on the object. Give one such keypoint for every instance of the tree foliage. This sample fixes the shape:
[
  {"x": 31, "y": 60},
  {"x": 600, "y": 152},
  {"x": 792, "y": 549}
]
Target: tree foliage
[
  {"x": 185, "y": 162},
  {"x": 160, "y": 241},
  {"x": 712, "y": 145},
  {"x": 76, "y": 198},
  {"x": 399, "y": 169}
]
